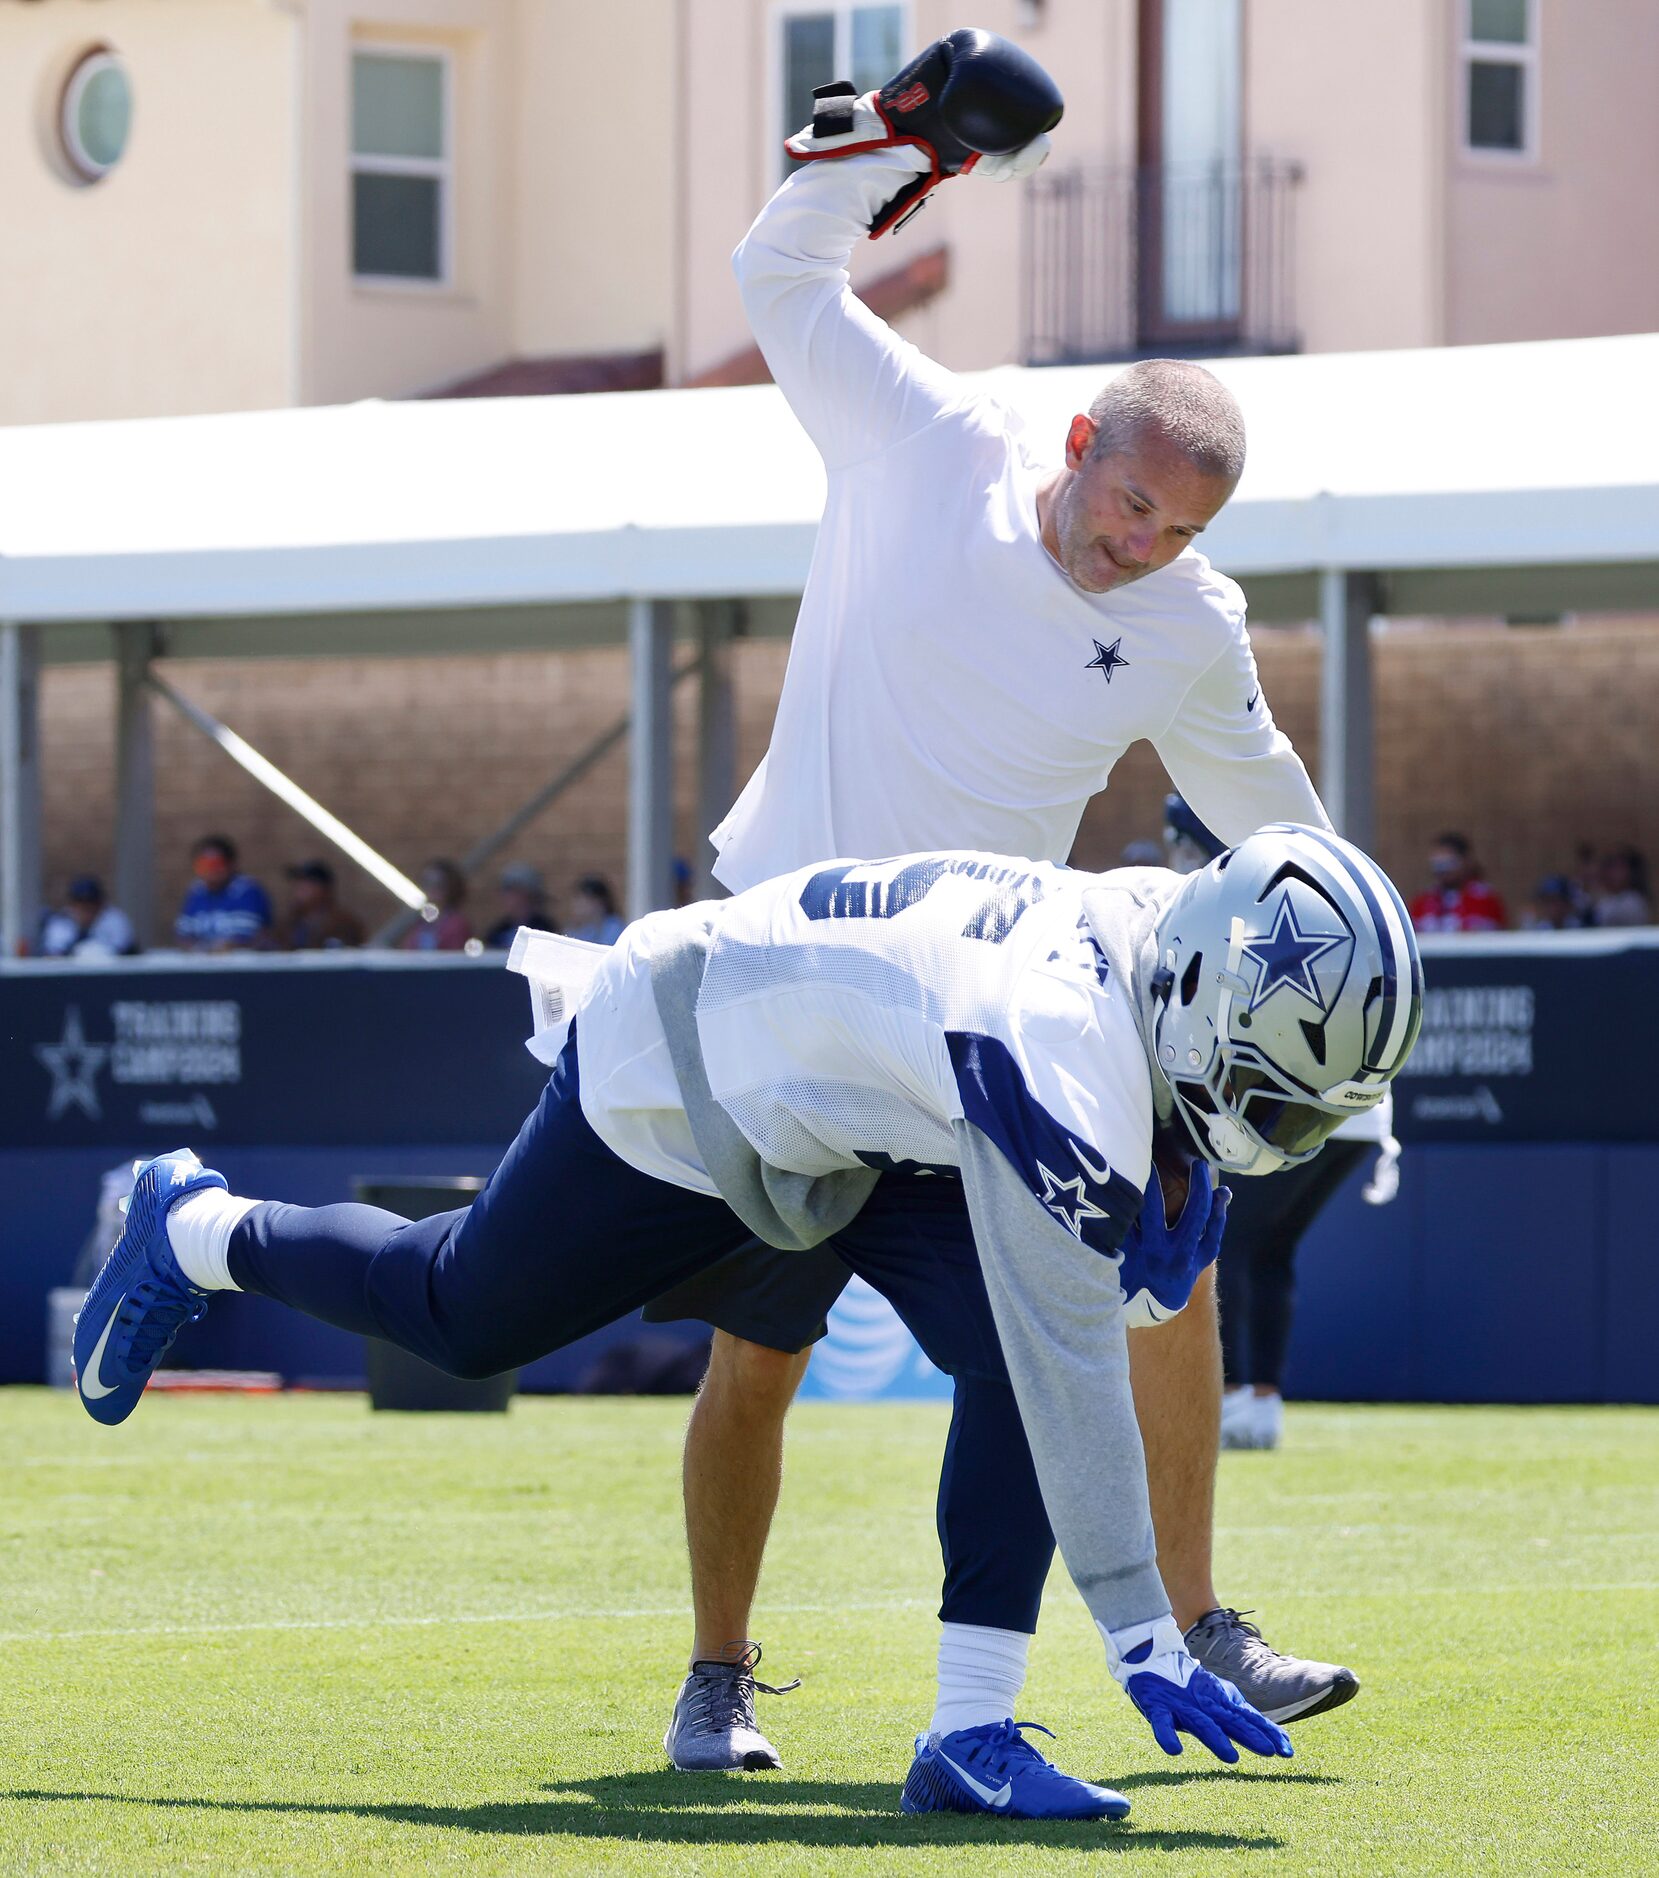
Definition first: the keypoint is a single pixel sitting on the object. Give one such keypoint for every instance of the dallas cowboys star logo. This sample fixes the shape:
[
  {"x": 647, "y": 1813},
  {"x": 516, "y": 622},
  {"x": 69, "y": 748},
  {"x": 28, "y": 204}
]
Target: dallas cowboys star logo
[
  {"x": 1286, "y": 955},
  {"x": 1107, "y": 659},
  {"x": 1070, "y": 1212},
  {"x": 73, "y": 1064}
]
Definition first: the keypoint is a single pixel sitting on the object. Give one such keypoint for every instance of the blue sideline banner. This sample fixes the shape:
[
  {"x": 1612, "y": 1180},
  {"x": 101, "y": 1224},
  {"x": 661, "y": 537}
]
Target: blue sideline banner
[
  {"x": 1535, "y": 1037},
  {"x": 332, "y": 1048}
]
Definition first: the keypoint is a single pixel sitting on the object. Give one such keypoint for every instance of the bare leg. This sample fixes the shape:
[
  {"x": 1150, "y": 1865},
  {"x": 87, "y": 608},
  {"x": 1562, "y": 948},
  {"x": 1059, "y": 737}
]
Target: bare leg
[
  {"x": 733, "y": 1469},
  {"x": 1175, "y": 1370}
]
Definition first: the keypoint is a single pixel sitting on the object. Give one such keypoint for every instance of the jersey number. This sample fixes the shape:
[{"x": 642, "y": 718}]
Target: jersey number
[{"x": 830, "y": 895}]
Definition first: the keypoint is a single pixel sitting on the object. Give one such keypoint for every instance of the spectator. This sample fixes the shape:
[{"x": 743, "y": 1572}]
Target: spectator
[
  {"x": 86, "y": 926},
  {"x": 1555, "y": 906},
  {"x": 1623, "y": 899},
  {"x": 1142, "y": 854},
  {"x": 445, "y": 888},
  {"x": 1586, "y": 882},
  {"x": 315, "y": 920},
  {"x": 223, "y": 911},
  {"x": 593, "y": 913},
  {"x": 523, "y": 903},
  {"x": 1459, "y": 900}
]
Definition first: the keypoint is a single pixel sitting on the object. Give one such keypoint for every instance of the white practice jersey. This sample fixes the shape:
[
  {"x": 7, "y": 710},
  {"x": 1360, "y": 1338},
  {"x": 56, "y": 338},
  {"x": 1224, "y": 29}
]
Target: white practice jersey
[
  {"x": 947, "y": 683},
  {"x": 963, "y": 1012},
  {"x": 853, "y": 1013}
]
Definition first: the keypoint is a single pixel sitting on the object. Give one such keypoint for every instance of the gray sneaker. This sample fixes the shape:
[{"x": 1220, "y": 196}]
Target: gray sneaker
[
  {"x": 1283, "y": 1688},
  {"x": 713, "y": 1727}
]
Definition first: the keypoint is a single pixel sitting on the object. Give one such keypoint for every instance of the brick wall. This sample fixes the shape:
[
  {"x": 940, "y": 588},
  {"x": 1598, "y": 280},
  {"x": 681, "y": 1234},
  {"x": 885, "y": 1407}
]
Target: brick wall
[{"x": 1528, "y": 739}]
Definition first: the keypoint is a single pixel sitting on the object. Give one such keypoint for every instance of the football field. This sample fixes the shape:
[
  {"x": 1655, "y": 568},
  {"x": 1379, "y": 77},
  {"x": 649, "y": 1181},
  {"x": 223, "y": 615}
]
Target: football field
[{"x": 286, "y": 1635}]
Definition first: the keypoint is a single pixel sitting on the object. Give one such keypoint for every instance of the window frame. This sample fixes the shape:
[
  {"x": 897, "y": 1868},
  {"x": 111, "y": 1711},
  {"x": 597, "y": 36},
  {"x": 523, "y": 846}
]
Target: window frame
[
  {"x": 1525, "y": 56},
  {"x": 440, "y": 169},
  {"x": 779, "y": 165},
  {"x": 93, "y": 61}
]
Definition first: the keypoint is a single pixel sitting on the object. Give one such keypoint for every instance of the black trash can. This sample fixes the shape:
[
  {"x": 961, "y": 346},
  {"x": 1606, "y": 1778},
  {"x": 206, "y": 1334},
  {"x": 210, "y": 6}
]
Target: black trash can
[{"x": 398, "y": 1380}]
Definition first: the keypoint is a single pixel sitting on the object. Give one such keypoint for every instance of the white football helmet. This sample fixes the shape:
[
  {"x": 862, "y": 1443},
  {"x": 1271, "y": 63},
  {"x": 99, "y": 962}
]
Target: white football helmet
[{"x": 1290, "y": 994}]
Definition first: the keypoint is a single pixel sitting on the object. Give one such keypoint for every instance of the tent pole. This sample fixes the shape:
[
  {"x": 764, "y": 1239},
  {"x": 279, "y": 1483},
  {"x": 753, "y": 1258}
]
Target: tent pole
[
  {"x": 136, "y": 644},
  {"x": 716, "y": 732},
  {"x": 288, "y": 792},
  {"x": 650, "y": 757},
  {"x": 1347, "y": 778},
  {"x": 20, "y": 843}
]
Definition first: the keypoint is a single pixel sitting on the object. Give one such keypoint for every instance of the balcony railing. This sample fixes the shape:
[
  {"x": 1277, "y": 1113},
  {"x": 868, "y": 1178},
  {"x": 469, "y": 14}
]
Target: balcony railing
[{"x": 1136, "y": 262}]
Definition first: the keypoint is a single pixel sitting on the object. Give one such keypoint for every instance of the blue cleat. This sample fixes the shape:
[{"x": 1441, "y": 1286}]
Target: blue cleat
[
  {"x": 140, "y": 1300},
  {"x": 994, "y": 1769}
]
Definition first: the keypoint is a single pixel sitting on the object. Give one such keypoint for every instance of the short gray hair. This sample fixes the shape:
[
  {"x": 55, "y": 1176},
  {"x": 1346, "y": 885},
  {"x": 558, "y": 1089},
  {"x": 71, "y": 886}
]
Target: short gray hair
[{"x": 1174, "y": 399}]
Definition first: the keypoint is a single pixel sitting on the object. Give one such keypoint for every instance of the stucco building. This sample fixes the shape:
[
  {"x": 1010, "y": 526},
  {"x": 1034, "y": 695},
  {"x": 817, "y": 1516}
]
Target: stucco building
[{"x": 229, "y": 204}]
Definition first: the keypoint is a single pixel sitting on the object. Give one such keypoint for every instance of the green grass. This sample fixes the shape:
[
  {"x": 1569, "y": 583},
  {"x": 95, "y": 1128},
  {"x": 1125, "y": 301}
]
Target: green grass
[{"x": 284, "y": 1635}]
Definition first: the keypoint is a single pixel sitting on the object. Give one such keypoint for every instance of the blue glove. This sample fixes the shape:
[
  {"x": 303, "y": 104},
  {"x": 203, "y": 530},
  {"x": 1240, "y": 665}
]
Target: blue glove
[
  {"x": 1161, "y": 1264},
  {"x": 1178, "y": 1696}
]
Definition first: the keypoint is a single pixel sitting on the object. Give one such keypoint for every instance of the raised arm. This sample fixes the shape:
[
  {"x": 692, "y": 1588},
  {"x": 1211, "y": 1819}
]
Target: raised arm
[
  {"x": 969, "y": 101},
  {"x": 1228, "y": 758},
  {"x": 1059, "y": 1317},
  {"x": 855, "y": 385}
]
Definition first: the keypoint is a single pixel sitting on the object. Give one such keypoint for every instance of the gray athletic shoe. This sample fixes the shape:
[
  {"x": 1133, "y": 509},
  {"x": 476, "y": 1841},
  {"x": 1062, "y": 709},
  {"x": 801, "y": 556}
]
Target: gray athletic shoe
[
  {"x": 713, "y": 1727},
  {"x": 1283, "y": 1688}
]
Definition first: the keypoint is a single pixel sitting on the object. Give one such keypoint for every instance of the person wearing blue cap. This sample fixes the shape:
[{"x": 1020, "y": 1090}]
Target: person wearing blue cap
[{"x": 86, "y": 925}]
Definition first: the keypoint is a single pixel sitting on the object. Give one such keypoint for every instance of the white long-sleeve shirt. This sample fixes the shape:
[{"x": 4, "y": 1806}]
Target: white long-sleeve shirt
[{"x": 948, "y": 685}]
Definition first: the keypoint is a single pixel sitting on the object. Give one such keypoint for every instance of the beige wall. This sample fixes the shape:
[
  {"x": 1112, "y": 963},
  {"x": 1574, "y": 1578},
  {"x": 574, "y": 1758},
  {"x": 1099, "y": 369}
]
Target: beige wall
[
  {"x": 387, "y": 340},
  {"x": 732, "y": 166},
  {"x": 596, "y": 170},
  {"x": 168, "y": 286},
  {"x": 1568, "y": 244},
  {"x": 1356, "y": 92},
  {"x": 564, "y": 192},
  {"x": 212, "y": 269}
]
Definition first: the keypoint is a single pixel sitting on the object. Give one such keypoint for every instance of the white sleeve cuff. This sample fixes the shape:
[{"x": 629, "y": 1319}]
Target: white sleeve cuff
[{"x": 1135, "y": 1647}]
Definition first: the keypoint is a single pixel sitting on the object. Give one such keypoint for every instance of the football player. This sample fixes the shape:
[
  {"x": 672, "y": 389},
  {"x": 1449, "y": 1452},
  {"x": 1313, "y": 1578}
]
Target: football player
[{"x": 957, "y": 1066}]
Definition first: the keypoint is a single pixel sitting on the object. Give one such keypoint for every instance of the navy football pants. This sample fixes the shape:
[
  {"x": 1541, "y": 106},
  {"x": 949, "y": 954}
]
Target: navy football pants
[{"x": 567, "y": 1237}]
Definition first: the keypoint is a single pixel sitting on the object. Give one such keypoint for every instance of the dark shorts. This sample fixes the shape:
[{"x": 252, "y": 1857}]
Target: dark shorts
[{"x": 779, "y": 1299}]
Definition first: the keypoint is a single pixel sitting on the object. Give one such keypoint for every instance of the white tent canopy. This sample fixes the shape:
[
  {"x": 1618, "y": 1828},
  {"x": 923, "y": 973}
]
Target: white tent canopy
[
  {"x": 1417, "y": 462},
  {"x": 1477, "y": 479}
]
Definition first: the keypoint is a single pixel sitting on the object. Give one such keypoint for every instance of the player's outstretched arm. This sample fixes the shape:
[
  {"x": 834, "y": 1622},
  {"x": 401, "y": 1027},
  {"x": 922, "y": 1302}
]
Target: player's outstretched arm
[
  {"x": 1059, "y": 1317},
  {"x": 856, "y": 387}
]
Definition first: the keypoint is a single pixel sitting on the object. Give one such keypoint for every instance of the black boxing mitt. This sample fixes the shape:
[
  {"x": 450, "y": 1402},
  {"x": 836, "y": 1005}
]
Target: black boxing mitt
[{"x": 971, "y": 102}]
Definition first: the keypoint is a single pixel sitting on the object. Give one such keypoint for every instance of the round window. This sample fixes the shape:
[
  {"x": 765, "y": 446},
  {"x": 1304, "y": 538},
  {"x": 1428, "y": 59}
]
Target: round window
[{"x": 97, "y": 115}]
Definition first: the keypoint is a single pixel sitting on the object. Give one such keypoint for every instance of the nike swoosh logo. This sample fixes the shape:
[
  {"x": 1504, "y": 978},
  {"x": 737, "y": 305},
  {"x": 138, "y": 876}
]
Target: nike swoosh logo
[
  {"x": 1099, "y": 1175},
  {"x": 92, "y": 1390},
  {"x": 998, "y": 1796},
  {"x": 1252, "y": 704}
]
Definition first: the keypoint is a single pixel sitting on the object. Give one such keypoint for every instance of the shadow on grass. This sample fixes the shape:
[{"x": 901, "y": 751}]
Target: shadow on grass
[
  {"x": 1194, "y": 1776},
  {"x": 670, "y": 1809}
]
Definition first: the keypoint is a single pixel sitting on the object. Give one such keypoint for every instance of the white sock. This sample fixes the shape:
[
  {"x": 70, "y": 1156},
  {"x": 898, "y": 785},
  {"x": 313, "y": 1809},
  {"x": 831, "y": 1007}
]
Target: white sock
[
  {"x": 199, "y": 1230},
  {"x": 981, "y": 1674}
]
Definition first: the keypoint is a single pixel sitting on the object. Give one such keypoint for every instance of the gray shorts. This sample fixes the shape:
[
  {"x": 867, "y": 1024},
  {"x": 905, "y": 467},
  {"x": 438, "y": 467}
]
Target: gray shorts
[{"x": 779, "y": 1299}]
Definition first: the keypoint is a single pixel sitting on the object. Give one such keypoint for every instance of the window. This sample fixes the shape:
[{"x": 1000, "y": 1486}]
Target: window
[
  {"x": 1500, "y": 77},
  {"x": 96, "y": 116},
  {"x": 401, "y": 184},
  {"x": 819, "y": 43}
]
